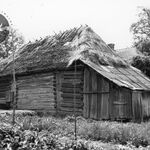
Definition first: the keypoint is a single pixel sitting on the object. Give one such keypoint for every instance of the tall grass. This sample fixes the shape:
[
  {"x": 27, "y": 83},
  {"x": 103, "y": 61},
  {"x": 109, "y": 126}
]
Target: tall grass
[{"x": 123, "y": 133}]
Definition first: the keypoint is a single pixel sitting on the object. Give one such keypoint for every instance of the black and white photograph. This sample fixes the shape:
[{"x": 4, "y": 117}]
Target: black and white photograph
[{"x": 74, "y": 74}]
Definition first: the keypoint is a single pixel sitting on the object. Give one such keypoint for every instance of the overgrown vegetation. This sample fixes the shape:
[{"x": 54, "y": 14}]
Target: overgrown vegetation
[
  {"x": 13, "y": 42},
  {"x": 37, "y": 133}
]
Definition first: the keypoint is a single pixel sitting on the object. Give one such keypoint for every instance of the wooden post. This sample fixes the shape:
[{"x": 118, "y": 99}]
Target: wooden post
[
  {"x": 74, "y": 102},
  {"x": 14, "y": 88}
]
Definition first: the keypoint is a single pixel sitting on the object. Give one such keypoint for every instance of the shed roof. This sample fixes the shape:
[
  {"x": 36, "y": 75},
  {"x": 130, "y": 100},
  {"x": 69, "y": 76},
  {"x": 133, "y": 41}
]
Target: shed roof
[
  {"x": 61, "y": 50},
  {"x": 129, "y": 77}
]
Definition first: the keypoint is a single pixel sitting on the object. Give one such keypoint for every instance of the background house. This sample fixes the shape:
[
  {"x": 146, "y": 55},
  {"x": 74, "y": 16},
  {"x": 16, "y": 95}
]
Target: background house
[
  {"x": 76, "y": 70},
  {"x": 128, "y": 53}
]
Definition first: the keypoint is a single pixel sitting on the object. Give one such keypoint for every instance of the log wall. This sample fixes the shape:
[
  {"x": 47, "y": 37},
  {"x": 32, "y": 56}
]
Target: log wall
[
  {"x": 36, "y": 92},
  {"x": 5, "y": 94},
  {"x": 69, "y": 87}
]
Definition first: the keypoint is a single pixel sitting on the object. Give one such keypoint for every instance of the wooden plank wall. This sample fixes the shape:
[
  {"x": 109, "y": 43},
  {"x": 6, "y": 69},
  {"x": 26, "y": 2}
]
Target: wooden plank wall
[
  {"x": 105, "y": 100},
  {"x": 96, "y": 95},
  {"x": 36, "y": 92},
  {"x": 120, "y": 103},
  {"x": 146, "y": 105},
  {"x": 137, "y": 106},
  {"x": 65, "y": 92}
]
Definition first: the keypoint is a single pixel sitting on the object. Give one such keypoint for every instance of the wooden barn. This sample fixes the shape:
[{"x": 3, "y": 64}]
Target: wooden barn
[{"x": 76, "y": 70}]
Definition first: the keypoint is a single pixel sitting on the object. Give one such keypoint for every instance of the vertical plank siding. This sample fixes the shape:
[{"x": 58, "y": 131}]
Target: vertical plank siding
[
  {"x": 120, "y": 103},
  {"x": 86, "y": 100},
  {"x": 96, "y": 96},
  {"x": 36, "y": 92},
  {"x": 105, "y": 100},
  {"x": 145, "y": 96},
  {"x": 136, "y": 106},
  {"x": 93, "y": 86}
]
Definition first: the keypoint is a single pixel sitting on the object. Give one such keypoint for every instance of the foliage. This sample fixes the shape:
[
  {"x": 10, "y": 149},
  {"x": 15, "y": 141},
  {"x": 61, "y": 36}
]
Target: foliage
[
  {"x": 141, "y": 31},
  {"x": 13, "y": 41},
  {"x": 142, "y": 63},
  {"x": 37, "y": 133}
]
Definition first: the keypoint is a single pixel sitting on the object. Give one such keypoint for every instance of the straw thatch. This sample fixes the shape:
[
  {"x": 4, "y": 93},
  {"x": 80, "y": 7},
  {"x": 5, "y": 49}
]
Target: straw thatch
[{"x": 60, "y": 50}]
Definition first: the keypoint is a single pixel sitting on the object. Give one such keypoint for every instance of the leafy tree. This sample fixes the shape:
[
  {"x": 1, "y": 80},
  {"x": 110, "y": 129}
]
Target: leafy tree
[
  {"x": 12, "y": 42},
  {"x": 141, "y": 32}
]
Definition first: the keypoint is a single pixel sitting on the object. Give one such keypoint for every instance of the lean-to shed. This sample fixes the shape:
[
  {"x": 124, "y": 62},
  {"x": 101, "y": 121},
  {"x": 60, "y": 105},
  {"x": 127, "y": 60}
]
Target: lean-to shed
[{"x": 76, "y": 64}]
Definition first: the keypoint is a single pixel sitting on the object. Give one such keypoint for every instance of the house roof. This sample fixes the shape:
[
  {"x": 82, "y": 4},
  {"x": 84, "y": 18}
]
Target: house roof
[{"x": 61, "y": 50}]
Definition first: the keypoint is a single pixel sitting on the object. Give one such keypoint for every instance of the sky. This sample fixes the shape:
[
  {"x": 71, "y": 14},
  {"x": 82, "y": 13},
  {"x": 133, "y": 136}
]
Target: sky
[{"x": 110, "y": 19}]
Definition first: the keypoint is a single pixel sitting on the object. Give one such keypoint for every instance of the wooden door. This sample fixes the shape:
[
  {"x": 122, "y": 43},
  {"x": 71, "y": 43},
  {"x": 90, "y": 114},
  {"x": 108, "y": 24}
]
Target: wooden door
[{"x": 121, "y": 104}]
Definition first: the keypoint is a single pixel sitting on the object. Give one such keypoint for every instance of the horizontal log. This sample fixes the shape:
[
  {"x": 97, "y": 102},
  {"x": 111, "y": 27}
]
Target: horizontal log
[
  {"x": 69, "y": 95},
  {"x": 36, "y": 108},
  {"x": 51, "y": 102},
  {"x": 78, "y": 100},
  {"x": 71, "y": 105},
  {"x": 71, "y": 90},
  {"x": 46, "y": 75},
  {"x": 72, "y": 77},
  {"x": 35, "y": 90},
  {"x": 72, "y": 73},
  {"x": 35, "y": 101},
  {"x": 119, "y": 103},
  {"x": 6, "y": 88},
  {"x": 31, "y": 100},
  {"x": 35, "y": 84},
  {"x": 37, "y": 105},
  {"x": 70, "y": 109},
  {"x": 36, "y": 93},
  {"x": 95, "y": 92},
  {"x": 71, "y": 80},
  {"x": 35, "y": 79},
  {"x": 48, "y": 83},
  {"x": 71, "y": 85}
]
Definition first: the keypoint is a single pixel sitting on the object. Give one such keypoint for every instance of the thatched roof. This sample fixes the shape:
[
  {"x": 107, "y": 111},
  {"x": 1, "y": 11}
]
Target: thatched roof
[{"x": 60, "y": 50}]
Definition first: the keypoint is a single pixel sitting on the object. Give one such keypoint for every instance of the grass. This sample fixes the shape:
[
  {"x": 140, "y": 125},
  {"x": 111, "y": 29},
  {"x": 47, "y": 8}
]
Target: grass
[{"x": 60, "y": 132}]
